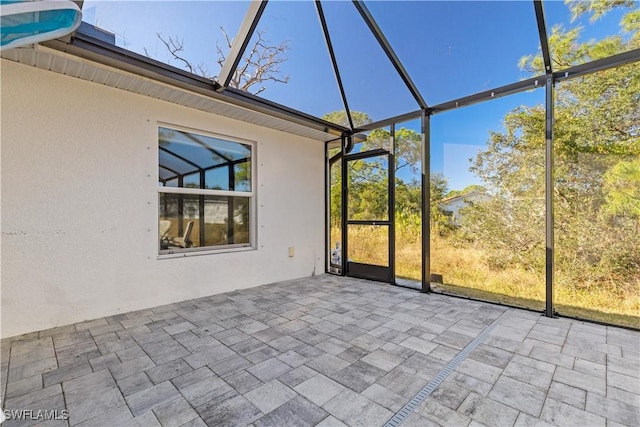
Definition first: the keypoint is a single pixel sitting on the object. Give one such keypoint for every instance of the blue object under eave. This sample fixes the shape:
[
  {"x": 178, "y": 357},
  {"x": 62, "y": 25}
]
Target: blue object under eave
[{"x": 27, "y": 22}]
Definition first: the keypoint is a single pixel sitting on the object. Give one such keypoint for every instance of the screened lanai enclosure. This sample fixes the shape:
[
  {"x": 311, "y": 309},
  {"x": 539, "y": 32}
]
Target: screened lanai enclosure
[{"x": 482, "y": 149}]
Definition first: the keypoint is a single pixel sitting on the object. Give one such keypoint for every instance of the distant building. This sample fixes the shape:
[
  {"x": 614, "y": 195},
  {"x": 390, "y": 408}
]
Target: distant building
[{"x": 452, "y": 205}]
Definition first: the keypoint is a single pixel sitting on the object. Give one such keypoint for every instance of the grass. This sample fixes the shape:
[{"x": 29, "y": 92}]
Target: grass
[{"x": 466, "y": 272}]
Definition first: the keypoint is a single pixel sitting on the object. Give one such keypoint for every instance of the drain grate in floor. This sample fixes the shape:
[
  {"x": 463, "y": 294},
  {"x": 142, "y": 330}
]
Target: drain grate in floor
[{"x": 422, "y": 395}]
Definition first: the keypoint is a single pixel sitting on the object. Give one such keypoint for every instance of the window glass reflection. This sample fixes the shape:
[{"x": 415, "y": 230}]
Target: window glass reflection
[
  {"x": 187, "y": 221},
  {"x": 192, "y": 181},
  {"x": 200, "y": 161},
  {"x": 217, "y": 179},
  {"x": 242, "y": 176}
]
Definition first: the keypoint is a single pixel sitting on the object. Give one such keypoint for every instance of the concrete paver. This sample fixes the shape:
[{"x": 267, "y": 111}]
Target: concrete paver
[{"x": 325, "y": 351}]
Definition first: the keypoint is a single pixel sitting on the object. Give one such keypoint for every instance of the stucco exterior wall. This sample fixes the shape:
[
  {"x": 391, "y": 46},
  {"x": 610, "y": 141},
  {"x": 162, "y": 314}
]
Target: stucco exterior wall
[{"x": 80, "y": 204}]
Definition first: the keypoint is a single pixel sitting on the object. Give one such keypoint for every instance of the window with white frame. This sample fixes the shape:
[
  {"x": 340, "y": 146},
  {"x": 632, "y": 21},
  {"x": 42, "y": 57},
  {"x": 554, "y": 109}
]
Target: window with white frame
[{"x": 206, "y": 198}]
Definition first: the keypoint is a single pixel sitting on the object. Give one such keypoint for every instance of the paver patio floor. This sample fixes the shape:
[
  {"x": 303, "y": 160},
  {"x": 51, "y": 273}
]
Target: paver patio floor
[{"x": 326, "y": 351}]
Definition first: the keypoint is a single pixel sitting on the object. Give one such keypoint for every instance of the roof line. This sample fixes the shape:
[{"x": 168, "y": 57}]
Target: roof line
[{"x": 90, "y": 48}]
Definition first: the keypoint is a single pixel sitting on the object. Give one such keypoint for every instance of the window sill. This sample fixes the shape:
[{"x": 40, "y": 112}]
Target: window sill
[{"x": 205, "y": 251}]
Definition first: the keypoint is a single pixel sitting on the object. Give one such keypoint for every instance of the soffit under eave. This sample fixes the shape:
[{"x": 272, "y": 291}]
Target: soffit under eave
[{"x": 59, "y": 62}]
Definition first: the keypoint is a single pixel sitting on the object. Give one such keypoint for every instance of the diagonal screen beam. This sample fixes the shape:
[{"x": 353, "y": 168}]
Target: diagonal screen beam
[
  {"x": 205, "y": 146},
  {"x": 178, "y": 156},
  {"x": 240, "y": 42},
  {"x": 395, "y": 61},
  {"x": 334, "y": 63},
  {"x": 542, "y": 31}
]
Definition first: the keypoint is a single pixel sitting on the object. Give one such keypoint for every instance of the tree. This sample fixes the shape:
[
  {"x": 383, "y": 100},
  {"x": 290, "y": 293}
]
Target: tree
[
  {"x": 622, "y": 189},
  {"x": 408, "y": 152},
  {"x": 261, "y": 62},
  {"x": 473, "y": 188},
  {"x": 368, "y": 180},
  {"x": 565, "y": 46},
  {"x": 340, "y": 118},
  {"x": 597, "y": 150}
]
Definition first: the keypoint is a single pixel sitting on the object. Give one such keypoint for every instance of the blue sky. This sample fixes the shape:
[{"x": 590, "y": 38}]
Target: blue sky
[{"x": 449, "y": 48}]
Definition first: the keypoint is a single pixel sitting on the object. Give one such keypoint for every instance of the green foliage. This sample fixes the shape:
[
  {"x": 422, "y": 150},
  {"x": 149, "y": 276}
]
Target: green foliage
[
  {"x": 340, "y": 118},
  {"x": 597, "y": 169},
  {"x": 368, "y": 185},
  {"x": 368, "y": 179},
  {"x": 631, "y": 21},
  {"x": 622, "y": 189},
  {"x": 473, "y": 188},
  {"x": 597, "y": 8},
  {"x": 368, "y": 182},
  {"x": 596, "y": 190},
  {"x": 567, "y": 49}
]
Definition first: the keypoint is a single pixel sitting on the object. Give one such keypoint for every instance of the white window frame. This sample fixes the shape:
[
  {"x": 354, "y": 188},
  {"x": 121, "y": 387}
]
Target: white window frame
[{"x": 251, "y": 195}]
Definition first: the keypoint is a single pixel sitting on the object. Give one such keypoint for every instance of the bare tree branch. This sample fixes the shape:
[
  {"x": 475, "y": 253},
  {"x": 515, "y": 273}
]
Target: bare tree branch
[
  {"x": 261, "y": 62},
  {"x": 174, "y": 46}
]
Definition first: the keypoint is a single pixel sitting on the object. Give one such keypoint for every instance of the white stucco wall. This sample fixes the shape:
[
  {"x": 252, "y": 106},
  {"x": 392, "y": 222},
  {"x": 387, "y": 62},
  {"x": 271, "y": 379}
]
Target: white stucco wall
[{"x": 79, "y": 204}]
